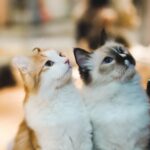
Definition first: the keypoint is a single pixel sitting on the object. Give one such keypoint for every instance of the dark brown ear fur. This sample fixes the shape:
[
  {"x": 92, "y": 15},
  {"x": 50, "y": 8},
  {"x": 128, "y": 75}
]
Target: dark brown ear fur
[{"x": 81, "y": 57}]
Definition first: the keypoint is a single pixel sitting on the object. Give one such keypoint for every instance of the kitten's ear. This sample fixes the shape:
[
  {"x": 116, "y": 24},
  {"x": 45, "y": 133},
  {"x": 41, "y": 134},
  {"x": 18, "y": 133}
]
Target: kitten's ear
[
  {"x": 97, "y": 39},
  {"x": 36, "y": 50},
  {"x": 81, "y": 57},
  {"x": 21, "y": 63},
  {"x": 103, "y": 37}
]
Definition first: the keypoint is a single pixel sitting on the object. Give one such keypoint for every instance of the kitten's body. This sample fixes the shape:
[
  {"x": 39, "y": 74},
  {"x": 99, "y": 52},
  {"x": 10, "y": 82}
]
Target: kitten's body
[
  {"x": 117, "y": 119},
  {"x": 117, "y": 104},
  {"x": 59, "y": 121},
  {"x": 54, "y": 112}
]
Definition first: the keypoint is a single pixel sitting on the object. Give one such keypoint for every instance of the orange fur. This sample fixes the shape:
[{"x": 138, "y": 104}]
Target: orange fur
[{"x": 26, "y": 138}]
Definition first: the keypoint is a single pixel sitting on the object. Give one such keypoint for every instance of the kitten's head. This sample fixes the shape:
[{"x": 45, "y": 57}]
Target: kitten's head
[
  {"x": 110, "y": 62},
  {"x": 44, "y": 69}
]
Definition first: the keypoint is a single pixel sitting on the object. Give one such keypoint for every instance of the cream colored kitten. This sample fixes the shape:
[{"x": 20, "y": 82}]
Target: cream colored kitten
[
  {"x": 117, "y": 104},
  {"x": 55, "y": 117}
]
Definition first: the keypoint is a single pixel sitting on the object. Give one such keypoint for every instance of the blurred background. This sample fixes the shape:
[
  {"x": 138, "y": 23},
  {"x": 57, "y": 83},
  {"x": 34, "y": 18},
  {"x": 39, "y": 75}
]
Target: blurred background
[{"x": 63, "y": 24}]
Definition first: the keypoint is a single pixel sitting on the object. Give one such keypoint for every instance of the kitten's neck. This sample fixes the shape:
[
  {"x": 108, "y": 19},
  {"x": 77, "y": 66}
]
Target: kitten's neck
[
  {"x": 50, "y": 93},
  {"x": 100, "y": 92},
  {"x": 67, "y": 88},
  {"x": 110, "y": 90}
]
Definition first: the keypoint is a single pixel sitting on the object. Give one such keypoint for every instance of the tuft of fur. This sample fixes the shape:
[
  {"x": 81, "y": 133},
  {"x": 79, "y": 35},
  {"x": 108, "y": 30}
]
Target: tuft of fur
[
  {"x": 55, "y": 117},
  {"x": 117, "y": 104}
]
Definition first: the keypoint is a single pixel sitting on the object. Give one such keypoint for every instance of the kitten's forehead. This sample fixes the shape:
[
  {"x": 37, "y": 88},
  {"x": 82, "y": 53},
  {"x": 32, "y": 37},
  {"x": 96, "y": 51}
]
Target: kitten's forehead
[
  {"x": 50, "y": 53},
  {"x": 113, "y": 49},
  {"x": 116, "y": 51},
  {"x": 120, "y": 53}
]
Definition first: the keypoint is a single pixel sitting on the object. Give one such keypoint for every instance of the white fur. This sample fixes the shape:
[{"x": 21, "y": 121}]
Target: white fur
[
  {"x": 56, "y": 113},
  {"x": 119, "y": 114},
  {"x": 117, "y": 105}
]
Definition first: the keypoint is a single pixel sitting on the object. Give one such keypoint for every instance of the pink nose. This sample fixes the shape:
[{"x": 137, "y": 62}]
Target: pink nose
[{"x": 67, "y": 61}]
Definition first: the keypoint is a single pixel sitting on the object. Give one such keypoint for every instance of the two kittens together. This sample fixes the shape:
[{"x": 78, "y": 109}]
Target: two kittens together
[{"x": 112, "y": 114}]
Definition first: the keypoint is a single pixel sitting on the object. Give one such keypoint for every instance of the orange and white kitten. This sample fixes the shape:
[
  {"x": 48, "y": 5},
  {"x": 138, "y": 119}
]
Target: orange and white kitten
[{"x": 55, "y": 118}]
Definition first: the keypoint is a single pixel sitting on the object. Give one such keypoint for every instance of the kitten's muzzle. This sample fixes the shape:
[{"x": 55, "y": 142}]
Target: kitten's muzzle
[
  {"x": 125, "y": 59},
  {"x": 129, "y": 61}
]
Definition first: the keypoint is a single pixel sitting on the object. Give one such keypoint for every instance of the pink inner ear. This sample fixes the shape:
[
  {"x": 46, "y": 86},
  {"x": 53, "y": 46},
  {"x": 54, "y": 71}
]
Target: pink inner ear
[
  {"x": 81, "y": 60},
  {"x": 22, "y": 63}
]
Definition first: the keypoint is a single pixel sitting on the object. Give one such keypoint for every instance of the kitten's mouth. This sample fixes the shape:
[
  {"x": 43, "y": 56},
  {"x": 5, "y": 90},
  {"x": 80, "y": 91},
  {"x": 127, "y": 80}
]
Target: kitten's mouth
[
  {"x": 69, "y": 69},
  {"x": 130, "y": 67},
  {"x": 66, "y": 73},
  {"x": 128, "y": 73}
]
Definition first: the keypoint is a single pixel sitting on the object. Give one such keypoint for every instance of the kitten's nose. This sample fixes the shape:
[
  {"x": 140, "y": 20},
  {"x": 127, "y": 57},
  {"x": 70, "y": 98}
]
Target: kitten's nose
[
  {"x": 127, "y": 63},
  {"x": 129, "y": 60}
]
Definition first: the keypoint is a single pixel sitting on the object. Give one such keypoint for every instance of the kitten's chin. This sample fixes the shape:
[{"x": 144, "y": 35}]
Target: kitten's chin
[{"x": 65, "y": 78}]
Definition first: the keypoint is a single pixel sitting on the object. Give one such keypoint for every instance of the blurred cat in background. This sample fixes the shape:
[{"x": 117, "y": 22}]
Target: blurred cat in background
[
  {"x": 55, "y": 117},
  {"x": 118, "y": 17}
]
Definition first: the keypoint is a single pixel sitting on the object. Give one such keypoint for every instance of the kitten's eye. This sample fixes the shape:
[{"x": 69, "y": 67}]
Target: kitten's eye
[
  {"x": 61, "y": 55},
  {"x": 49, "y": 63},
  {"x": 107, "y": 60}
]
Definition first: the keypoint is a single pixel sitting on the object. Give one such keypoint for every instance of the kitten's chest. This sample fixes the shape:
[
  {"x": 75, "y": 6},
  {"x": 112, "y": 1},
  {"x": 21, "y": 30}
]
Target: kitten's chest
[
  {"x": 57, "y": 124},
  {"x": 109, "y": 115},
  {"x": 45, "y": 114}
]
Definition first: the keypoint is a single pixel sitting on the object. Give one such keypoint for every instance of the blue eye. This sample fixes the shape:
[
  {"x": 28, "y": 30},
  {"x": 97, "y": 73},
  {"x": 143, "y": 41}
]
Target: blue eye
[
  {"x": 49, "y": 63},
  {"x": 107, "y": 60}
]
